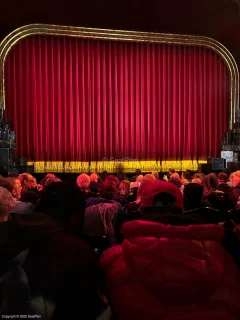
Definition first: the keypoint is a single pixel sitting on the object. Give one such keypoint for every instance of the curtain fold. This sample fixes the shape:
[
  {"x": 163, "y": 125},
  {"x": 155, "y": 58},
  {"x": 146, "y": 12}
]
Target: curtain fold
[{"x": 86, "y": 100}]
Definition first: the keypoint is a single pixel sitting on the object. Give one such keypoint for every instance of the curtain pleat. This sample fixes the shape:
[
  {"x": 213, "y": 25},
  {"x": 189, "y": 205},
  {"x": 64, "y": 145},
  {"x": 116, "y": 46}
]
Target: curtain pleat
[{"x": 87, "y": 100}]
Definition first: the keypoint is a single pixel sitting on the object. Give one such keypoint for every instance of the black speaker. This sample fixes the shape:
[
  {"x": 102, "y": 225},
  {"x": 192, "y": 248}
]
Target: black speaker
[
  {"x": 205, "y": 167},
  {"x": 217, "y": 163},
  {"x": 233, "y": 166},
  {"x": 4, "y": 160}
]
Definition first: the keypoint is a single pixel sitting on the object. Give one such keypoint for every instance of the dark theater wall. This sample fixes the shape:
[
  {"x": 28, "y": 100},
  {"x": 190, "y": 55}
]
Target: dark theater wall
[{"x": 219, "y": 19}]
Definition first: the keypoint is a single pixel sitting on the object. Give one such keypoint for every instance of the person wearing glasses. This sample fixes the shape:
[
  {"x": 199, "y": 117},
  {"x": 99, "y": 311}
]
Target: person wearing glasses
[
  {"x": 28, "y": 193},
  {"x": 235, "y": 183},
  {"x": 13, "y": 185}
]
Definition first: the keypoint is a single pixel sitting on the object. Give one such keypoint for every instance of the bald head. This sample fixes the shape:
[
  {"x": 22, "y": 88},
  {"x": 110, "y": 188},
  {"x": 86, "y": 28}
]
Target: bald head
[{"x": 27, "y": 180}]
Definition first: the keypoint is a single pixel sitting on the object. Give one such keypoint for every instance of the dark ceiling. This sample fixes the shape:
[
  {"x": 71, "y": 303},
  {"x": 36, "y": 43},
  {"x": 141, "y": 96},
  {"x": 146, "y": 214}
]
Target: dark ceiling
[{"x": 219, "y": 19}]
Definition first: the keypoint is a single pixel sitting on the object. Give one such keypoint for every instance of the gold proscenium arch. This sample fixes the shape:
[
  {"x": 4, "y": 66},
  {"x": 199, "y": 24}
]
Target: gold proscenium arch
[{"x": 130, "y": 36}]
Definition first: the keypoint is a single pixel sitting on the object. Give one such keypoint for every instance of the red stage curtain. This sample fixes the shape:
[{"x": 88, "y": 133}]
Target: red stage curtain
[{"x": 84, "y": 100}]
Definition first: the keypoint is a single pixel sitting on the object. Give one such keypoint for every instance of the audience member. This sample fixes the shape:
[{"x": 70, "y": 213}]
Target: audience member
[
  {"x": 121, "y": 175},
  {"x": 28, "y": 193},
  {"x": 99, "y": 220},
  {"x": 94, "y": 177},
  {"x": 65, "y": 204},
  {"x": 35, "y": 186},
  {"x": 198, "y": 175},
  {"x": 27, "y": 181},
  {"x": 107, "y": 193},
  {"x": 197, "y": 180},
  {"x": 235, "y": 193},
  {"x": 170, "y": 171},
  {"x": 148, "y": 178},
  {"x": 15, "y": 291},
  {"x": 51, "y": 180},
  {"x": 155, "y": 174},
  {"x": 175, "y": 175},
  {"x": 94, "y": 183},
  {"x": 133, "y": 191},
  {"x": 13, "y": 185},
  {"x": 134, "y": 206},
  {"x": 124, "y": 191},
  {"x": 138, "y": 172},
  {"x": 83, "y": 182},
  {"x": 103, "y": 176},
  {"x": 67, "y": 262},
  {"x": 45, "y": 179},
  {"x": 193, "y": 197},
  {"x": 210, "y": 190},
  {"x": 158, "y": 248},
  {"x": 223, "y": 182},
  {"x": 223, "y": 186},
  {"x": 124, "y": 188},
  {"x": 113, "y": 179},
  {"x": 6, "y": 204},
  {"x": 153, "y": 231},
  {"x": 139, "y": 179},
  {"x": 186, "y": 177},
  {"x": 161, "y": 197},
  {"x": 177, "y": 181}
]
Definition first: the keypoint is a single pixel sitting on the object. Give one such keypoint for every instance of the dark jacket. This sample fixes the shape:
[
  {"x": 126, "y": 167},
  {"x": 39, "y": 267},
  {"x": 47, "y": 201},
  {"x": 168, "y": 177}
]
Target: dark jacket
[
  {"x": 55, "y": 257},
  {"x": 21, "y": 232},
  {"x": 225, "y": 188},
  {"x": 30, "y": 196},
  {"x": 37, "y": 231},
  {"x": 191, "y": 204},
  {"x": 235, "y": 194},
  {"x": 94, "y": 186},
  {"x": 23, "y": 207}
]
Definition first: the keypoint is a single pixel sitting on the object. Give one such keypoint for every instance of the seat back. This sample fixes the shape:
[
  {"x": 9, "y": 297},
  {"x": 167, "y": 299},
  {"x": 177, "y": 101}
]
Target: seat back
[
  {"x": 162, "y": 210},
  {"x": 223, "y": 204},
  {"x": 209, "y": 214}
]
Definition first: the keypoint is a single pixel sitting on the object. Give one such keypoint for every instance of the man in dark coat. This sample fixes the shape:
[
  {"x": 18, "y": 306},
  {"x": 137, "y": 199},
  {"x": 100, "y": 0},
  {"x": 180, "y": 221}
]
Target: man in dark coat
[{"x": 55, "y": 257}]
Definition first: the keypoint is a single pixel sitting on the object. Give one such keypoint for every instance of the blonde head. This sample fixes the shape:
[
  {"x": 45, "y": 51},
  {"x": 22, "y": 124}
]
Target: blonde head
[
  {"x": 94, "y": 177},
  {"x": 197, "y": 180},
  {"x": 147, "y": 179},
  {"x": 83, "y": 181},
  {"x": 139, "y": 178},
  {"x": 155, "y": 174},
  {"x": 235, "y": 178}
]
